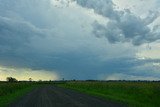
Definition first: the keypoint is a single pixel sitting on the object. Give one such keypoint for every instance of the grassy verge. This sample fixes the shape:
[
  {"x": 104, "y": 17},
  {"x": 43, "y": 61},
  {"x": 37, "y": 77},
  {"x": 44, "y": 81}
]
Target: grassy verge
[
  {"x": 10, "y": 92},
  {"x": 134, "y": 94}
]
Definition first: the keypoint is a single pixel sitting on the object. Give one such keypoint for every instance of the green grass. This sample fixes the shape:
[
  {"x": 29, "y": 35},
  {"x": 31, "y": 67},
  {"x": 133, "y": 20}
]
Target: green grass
[
  {"x": 134, "y": 94},
  {"x": 10, "y": 92}
]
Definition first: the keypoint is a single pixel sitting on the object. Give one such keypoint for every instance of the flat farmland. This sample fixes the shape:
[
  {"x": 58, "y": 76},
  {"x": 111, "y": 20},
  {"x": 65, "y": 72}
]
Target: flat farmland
[
  {"x": 80, "y": 94},
  {"x": 136, "y": 94}
]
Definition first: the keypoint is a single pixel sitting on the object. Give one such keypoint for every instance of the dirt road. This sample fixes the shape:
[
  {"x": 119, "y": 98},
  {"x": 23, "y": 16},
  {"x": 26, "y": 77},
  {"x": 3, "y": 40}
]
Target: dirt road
[{"x": 51, "y": 96}]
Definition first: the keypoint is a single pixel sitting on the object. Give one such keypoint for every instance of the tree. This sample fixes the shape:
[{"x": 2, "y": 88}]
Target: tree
[
  {"x": 30, "y": 79},
  {"x": 11, "y": 79}
]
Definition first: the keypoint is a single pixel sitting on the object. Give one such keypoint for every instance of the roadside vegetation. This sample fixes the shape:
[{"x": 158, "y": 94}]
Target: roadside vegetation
[
  {"x": 12, "y": 89},
  {"x": 133, "y": 94},
  {"x": 9, "y": 92}
]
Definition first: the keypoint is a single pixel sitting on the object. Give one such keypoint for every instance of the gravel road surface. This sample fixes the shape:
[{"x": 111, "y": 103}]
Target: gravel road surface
[{"x": 52, "y": 96}]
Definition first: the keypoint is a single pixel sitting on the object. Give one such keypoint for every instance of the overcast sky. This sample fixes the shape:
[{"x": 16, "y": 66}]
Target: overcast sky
[{"x": 80, "y": 39}]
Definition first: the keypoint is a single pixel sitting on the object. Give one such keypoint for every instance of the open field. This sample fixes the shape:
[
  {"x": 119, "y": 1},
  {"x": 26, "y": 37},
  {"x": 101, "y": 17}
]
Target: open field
[
  {"x": 52, "y": 96},
  {"x": 9, "y": 92},
  {"x": 134, "y": 94},
  {"x": 137, "y": 94}
]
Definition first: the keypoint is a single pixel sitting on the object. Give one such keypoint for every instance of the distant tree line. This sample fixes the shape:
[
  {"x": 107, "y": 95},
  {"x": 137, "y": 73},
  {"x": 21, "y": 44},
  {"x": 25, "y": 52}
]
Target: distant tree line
[{"x": 11, "y": 79}]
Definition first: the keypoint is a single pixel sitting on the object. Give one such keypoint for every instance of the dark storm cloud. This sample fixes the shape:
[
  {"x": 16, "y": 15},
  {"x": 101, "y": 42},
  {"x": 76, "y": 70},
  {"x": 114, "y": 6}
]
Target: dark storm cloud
[
  {"x": 102, "y": 7},
  {"x": 24, "y": 26},
  {"x": 16, "y": 34},
  {"x": 123, "y": 25},
  {"x": 35, "y": 35}
]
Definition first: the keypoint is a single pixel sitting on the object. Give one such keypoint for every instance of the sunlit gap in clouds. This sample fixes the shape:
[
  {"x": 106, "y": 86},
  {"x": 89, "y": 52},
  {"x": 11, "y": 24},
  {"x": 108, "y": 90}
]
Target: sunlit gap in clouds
[{"x": 26, "y": 73}]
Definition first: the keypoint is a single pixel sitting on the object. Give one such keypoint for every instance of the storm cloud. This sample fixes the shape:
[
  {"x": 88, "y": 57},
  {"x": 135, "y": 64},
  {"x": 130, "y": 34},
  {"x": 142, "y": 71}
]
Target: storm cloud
[
  {"x": 123, "y": 25},
  {"x": 67, "y": 39}
]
